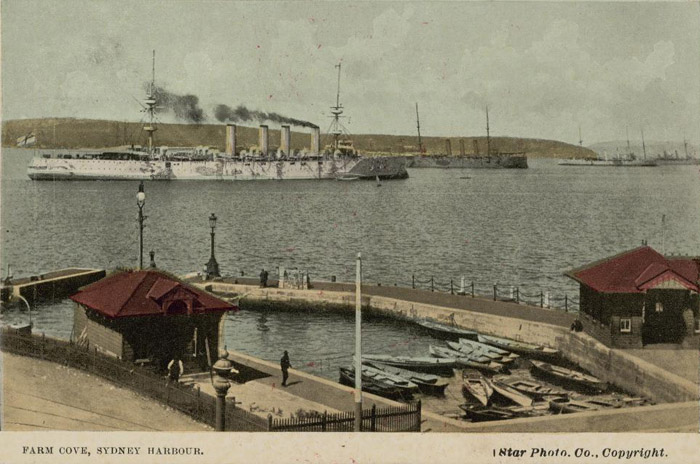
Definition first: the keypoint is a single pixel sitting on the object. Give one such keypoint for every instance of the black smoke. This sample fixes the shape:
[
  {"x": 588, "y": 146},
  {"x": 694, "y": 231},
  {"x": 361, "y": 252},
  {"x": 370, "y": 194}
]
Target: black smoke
[
  {"x": 185, "y": 107},
  {"x": 241, "y": 113}
]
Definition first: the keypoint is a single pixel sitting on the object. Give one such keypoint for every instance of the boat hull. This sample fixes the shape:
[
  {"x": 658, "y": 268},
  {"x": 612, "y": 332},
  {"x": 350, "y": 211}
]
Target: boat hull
[
  {"x": 42, "y": 168},
  {"x": 501, "y": 161}
]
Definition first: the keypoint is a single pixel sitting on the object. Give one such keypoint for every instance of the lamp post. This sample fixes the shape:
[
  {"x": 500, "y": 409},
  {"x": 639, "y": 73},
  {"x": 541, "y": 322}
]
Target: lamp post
[
  {"x": 140, "y": 202},
  {"x": 212, "y": 265},
  {"x": 358, "y": 344},
  {"x": 222, "y": 369}
]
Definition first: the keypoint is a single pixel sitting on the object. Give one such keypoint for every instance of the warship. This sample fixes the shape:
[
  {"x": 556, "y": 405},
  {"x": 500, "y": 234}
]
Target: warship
[{"x": 153, "y": 162}]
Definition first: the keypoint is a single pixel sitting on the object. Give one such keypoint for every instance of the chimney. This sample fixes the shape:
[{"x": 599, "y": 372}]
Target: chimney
[
  {"x": 285, "y": 141},
  {"x": 448, "y": 147},
  {"x": 461, "y": 147},
  {"x": 315, "y": 141},
  {"x": 153, "y": 259},
  {"x": 263, "y": 143},
  {"x": 230, "y": 139}
]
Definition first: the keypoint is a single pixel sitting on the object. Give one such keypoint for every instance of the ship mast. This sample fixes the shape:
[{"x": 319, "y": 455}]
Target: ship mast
[
  {"x": 488, "y": 134},
  {"x": 685, "y": 145},
  {"x": 151, "y": 106},
  {"x": 644, "y": 148},
  {"x": 420, "y": 142},
  {"x": 629, "y": 150},
  {"x": 580, "y": 142},
  {"x": 337, "y": 111}
]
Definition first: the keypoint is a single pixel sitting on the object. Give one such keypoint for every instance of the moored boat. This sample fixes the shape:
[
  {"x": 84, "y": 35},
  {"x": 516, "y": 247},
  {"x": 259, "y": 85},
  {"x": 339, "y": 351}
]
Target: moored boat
[
  {"x": 566, "y": 405},
  {"x": 532, "y": 388},
  {"x": 391, "y": 380},
  {"x": 427, "y": 383},
  {"x": 568, "y": 376},
  {"x": 476, "y": 387},
  {"x": 347, "y": 377},
  {"x": 471, "y": 350},
  {"x": 519, "y": 347},
  {"x": 481, "y": 413},
  {"x": 420, "y": 364},
  {"x": 506, "y": 392},
  {"x": 490, "y": 348},
  {"x": 447, "y": 330},
  {"x": 467, "y": 361}
]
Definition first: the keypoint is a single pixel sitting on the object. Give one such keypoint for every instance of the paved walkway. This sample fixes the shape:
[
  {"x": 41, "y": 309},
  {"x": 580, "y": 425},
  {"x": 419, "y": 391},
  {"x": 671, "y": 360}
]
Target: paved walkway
[
  {"x": 42, "y": 395},
  {"x": 685, "y": 363},
  {"x": 478, "y": 305}
]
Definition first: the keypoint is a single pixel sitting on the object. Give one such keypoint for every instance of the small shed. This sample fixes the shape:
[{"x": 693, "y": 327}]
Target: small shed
[
  {"x": 149, "y": 315},
  {"x": 640, "y": 297}
]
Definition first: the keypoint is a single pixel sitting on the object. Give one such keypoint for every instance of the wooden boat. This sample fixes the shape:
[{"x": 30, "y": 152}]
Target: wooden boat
[
  {"x": 389, "y": 379},
  {"x": 420, "y": 364},
  {"x": 481, "y": 413},
  {"x": 488, "y": 348},
  {"x": 347, "y": 377},
  {"x": 427, "y": 383},
  {"x": 537, "y": 409},
  {"x": 444, "y": 352},
  {"x": 566, "y": 406},
  {"x": 519, "y": 347},
  {"x": 470, "y": 351},
  {"x": 465, "y": 361},
  {"x": 476, "y": 387},
  {"x": 447, "y": 330},
  {"x": 503, "y": 391},
  {"x": 532, "y": 388},
  {"x": 568, "y": 376}
]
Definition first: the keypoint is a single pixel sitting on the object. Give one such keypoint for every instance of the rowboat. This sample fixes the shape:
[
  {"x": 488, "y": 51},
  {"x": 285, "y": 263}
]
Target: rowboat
[
  {"x": 519, "y": 347},
  {"x": 475, "y": 386},
  {"x": 392, "y": 380},
  {"x": 481, "y": 413},
  {"x": 508, "y": 393},
  {"x": 427, "y": 383},
  {"x": 532, "y": 388},
  {"x": 444, "y": 352},
  {"x": 488, "y": 348},
  {"x": 420, "y": 364},
  {"x": 347, "y": 377},
  {"x": 566, "y": 406},
  {"x": 447, "y": 330},
  {"x": 469, "y": 350},
  {"x": 568, "y": 376},
  {"x": 464, "y": 360}
]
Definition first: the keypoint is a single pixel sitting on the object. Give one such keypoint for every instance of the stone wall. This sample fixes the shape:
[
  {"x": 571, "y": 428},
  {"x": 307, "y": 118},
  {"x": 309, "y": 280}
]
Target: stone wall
[{"x": 613, "y": 366}]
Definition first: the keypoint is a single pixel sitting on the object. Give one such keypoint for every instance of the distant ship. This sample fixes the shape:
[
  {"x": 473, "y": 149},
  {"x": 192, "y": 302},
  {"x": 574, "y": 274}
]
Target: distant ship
[
  {"x": 627, "y": 160},
  {"x": 674, "y": 160},
  {"x": 489, "y": 160},
  {"x": 205, "y": 163}
]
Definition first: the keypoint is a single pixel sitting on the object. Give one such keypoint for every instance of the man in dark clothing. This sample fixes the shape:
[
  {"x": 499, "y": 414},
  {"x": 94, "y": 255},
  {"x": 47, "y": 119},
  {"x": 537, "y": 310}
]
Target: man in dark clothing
[
  {"x": 175, "y": 369},
  {"x": 263, "y": 278},
  {"x": 285, "y": 365}
]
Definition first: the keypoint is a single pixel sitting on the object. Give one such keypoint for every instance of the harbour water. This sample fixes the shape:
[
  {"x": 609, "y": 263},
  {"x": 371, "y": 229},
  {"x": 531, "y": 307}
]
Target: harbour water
[{"x": 521, "y": 228}]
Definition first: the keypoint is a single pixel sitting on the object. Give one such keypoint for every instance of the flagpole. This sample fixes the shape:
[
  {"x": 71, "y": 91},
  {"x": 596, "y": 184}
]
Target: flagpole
[{"x": 358, "y": 344}]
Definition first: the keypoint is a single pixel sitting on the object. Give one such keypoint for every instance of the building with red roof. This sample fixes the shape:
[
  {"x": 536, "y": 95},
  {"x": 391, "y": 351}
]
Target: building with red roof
[
  {"x": 149, "y": 315},
  {"x": 641, "y": 297}
]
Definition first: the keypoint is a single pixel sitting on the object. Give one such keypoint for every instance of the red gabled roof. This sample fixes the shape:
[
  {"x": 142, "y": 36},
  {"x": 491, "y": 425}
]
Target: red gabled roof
[
  {"x": 138, "y": 293},
  {"x": 635, "y": 270}
]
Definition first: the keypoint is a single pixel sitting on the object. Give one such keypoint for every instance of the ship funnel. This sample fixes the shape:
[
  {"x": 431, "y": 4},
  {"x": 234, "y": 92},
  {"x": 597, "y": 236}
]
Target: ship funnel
[
  {"x": 315, "y": 141},
  {"x": 448, "y": 147},
  {"x": 285, "y": 141},
  {"x": 263, "y": 142},
  {"x": 231, "y": 139}
]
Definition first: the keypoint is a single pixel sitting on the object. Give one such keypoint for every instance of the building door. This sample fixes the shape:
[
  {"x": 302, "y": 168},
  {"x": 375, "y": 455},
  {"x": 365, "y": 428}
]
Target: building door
[{"x": 663, "y": 317}]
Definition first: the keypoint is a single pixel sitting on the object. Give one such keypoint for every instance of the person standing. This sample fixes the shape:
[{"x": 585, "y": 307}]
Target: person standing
[
  {"x": 285, "y": 365},
  {"x": 175, "y": 369}
]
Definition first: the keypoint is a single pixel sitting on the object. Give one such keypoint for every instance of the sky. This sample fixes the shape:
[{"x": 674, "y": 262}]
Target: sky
[{"x": 543, "y": 69}]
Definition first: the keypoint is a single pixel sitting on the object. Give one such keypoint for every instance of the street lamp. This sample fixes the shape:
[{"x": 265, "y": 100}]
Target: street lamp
[
  {"x": 140, "y": 202},
  {"x": 212, "y": 265}
]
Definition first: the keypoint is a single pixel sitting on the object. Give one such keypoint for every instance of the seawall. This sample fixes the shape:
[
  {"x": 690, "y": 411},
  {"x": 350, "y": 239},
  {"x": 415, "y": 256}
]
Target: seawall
[{"x": 613, "y": 366}]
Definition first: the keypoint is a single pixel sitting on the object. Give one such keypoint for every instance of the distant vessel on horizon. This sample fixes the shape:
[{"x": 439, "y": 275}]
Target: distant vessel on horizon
[
  {"x": 628, "y": 160},
  {"x": 205, "y": 163},
  {"x": 500, "y": 160}
]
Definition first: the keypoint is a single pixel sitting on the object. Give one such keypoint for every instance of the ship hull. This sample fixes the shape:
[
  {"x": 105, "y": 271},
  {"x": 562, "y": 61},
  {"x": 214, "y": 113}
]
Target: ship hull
[
  {"x": 503, "y": 161},
  {"x": 222, "y": 169}
]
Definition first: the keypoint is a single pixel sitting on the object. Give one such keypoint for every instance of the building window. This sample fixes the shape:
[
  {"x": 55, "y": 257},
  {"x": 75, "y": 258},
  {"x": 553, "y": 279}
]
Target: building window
[
  {"x": 626, "y": 325},
  {"x": 659, "y": 307}
]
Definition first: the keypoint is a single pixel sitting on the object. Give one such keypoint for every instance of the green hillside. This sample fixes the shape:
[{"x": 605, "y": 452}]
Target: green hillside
[{"x": 91, "y": 133}]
